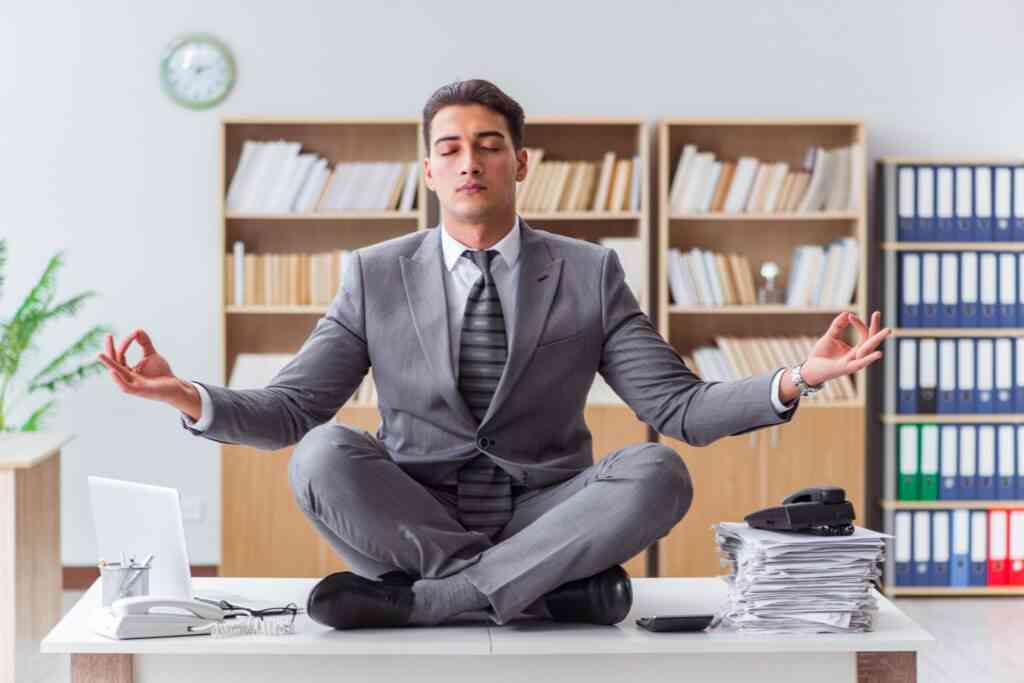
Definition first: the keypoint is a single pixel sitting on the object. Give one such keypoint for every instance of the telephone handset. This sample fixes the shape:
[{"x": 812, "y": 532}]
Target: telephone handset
[
  {"x": 155, "y": 617},
  {"x": 146, "y": 604}
]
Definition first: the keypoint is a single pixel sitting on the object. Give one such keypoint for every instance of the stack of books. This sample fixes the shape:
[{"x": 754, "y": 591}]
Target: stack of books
[
  {"x": 276, "y": 177},
  {"x": 819, "y": 276},
  {"x": 282, "y": 279},
  {"x": 736, "y": 358},
  {"x": 608, "y": 185},
  {"x": 829, "y": 180}
]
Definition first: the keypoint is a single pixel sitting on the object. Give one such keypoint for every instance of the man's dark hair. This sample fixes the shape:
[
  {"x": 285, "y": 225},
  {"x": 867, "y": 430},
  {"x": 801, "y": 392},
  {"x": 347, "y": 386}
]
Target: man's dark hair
[{"x": 475, "y": 91}]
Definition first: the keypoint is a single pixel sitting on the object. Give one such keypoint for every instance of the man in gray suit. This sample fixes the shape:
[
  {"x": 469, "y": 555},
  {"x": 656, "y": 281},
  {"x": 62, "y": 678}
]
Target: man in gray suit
[{"x": 478, "y": 495}]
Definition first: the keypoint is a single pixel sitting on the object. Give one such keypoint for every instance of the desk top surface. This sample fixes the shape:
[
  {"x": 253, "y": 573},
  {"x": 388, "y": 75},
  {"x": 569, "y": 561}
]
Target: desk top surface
[
  {"x": 27, "y": 449},
  {"x": 894, "y": 631}
]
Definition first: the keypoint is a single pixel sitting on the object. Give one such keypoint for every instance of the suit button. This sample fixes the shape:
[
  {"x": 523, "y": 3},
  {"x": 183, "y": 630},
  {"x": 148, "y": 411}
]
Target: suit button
[{"x": 482, "y": 442}]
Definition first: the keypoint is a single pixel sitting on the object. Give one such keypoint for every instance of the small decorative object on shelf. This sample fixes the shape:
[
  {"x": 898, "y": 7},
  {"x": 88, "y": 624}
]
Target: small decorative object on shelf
[{"x": 768, "y": 293}]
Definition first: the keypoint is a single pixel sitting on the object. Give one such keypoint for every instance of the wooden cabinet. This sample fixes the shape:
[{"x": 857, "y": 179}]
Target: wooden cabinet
[{"x": 737, "y": 475}]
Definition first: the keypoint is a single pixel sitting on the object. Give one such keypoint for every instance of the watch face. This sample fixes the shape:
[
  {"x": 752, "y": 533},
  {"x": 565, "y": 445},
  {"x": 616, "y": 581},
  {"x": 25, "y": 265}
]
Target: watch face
[{"x": 197, "y": 71}]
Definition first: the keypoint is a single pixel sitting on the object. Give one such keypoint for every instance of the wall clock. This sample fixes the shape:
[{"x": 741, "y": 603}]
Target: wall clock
[{"x": 197, "y": 71}]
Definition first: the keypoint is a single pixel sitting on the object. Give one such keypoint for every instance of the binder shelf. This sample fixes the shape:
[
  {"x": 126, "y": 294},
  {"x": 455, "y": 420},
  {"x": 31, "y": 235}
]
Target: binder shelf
[{"x": 952, "y": 419}]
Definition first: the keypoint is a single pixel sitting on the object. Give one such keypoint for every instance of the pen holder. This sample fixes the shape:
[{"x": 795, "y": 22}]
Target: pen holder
[{"x": 123, "y": 582}]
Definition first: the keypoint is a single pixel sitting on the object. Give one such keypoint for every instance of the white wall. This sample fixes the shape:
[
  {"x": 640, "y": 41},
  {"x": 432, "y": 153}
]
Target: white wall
[{"x": 97, "y": 161}]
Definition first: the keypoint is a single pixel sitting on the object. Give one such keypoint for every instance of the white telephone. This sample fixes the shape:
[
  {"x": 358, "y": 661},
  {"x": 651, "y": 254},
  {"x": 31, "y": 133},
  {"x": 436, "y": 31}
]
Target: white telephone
[{"x": 155, "y": 617}]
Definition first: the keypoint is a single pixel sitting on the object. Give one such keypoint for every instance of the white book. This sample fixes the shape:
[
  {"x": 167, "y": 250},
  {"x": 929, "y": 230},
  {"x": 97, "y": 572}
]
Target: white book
[
  {"x": 257, "y": 370},
  {"x": 753, "y": 205},
  {"x": 696, "y": 179},
  {"x": 709, "y": 187},
  {"x": 335, "y": 186},
  {"x": 742, "y": 181},
  {"x": 839, "y": 182},
  {"x": 262, "y": 161},
  {"x": 857, "y": 177},
  {"x": 848, "y": 279},
  {"x": 391, "y": 178},
  {"x": 242, "y": 172},
  {"x": 711, "y": 271},
  {"x": 688, "y": 285},
  {"x": 348, "y": 191},
  {"x": 631, "y": 256},
  {"x": 282, "y": 177},
  {"x": 778, "y": 178},
  {"x": 311, "y": 187},
  {"x": 411, "y": 184},
  {"x": 238, "y": 251},
  {"x": 695, "y": 260},
  {"x": 675, "y": 278},
  {"x": 814, "y": 197},
  {"x": 300, "y": 173},
  {"x": 683, "y": 166}
]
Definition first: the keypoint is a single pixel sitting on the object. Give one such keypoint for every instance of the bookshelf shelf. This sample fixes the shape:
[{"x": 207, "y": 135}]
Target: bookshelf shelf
[
  {"x": 950, "y": 504},
  {"x": 940, "y": 592},
  {"x": 762, "y": 217},
  {"x": 530, "y": 216},
  {"x": 757, "y": 310},
  {"x": 958, "y": 332},
  {"x": 1001, "y": 418},
  {"x": 953, "y": 246},
  {"x": 323, "y": 216},
  {"x": 825, "y": 440}
]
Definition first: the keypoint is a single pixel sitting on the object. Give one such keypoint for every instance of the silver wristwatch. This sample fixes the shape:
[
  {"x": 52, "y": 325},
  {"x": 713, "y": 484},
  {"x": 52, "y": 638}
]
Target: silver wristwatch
[{"x": 805, "y": 388}]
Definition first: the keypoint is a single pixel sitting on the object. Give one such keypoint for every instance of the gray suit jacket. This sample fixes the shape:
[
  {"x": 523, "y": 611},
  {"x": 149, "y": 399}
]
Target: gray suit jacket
[{"x": 575, "y": 316}]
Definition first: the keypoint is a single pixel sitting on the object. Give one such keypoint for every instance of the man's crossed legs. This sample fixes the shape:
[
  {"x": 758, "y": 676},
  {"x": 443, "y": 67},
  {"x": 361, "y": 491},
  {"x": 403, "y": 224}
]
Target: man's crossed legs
[{"x": 379, "y": 519}]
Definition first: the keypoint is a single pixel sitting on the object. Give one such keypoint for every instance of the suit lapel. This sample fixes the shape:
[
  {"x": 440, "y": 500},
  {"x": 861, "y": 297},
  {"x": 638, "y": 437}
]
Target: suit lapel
[
  {"x": 423, "y": 278},
  {"x": 539, "y": 273}
]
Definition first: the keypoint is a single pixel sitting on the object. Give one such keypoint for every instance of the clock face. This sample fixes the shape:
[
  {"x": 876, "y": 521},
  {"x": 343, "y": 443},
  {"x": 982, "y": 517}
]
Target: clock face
[{"x": 197, "y": 71}]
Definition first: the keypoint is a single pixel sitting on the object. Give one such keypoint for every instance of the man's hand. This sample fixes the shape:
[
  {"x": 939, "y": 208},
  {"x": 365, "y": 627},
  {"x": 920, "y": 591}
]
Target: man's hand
[
  {"x": 831, "y": 357},
  {"x": 151, "y": 377}
]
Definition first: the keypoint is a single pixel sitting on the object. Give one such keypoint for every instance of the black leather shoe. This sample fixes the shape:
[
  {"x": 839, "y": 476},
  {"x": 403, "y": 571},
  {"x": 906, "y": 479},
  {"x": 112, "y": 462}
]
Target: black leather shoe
[
  {"x": 346, "y": 600},
  {"x": 397, "y": 577},
  {"x": 604, "y": 598}
]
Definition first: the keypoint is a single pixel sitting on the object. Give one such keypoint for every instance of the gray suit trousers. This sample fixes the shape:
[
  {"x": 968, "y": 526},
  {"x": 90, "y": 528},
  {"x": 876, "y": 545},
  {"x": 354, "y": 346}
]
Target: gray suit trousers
[{"x": 379, "y": 519}]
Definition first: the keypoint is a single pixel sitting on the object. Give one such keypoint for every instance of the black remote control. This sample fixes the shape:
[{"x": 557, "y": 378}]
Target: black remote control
[{"x": 665, "y": 624}]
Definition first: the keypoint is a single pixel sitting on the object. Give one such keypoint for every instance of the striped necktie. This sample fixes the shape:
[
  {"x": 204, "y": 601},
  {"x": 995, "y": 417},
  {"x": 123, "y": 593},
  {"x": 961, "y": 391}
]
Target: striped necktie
[{"x": 484, "y": 489}]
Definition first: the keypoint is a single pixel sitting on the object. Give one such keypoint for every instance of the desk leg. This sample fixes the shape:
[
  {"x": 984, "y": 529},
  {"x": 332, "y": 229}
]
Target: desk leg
[
  {"x": 886, "y": 667},
  {"x": 89, "y": 668}
]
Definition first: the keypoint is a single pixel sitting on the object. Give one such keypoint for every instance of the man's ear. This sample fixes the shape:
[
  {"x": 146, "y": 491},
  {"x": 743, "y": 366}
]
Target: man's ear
[
  {"x": 427, "y": 178},
  {"x": 521, "y": 165}
]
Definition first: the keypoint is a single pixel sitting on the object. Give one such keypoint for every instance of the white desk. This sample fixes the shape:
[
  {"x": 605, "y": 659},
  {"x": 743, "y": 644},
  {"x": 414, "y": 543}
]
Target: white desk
[{"x": 521, "y": 651}]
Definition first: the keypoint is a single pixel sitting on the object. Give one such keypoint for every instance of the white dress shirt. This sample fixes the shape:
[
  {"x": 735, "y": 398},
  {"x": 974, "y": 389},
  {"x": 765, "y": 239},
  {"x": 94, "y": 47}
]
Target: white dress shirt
[{"x": 460, "y": 275}]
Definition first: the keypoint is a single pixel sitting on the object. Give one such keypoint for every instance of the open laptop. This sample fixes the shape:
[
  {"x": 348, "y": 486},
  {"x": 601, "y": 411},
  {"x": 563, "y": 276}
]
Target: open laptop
[{"x": 139, "y": 519}]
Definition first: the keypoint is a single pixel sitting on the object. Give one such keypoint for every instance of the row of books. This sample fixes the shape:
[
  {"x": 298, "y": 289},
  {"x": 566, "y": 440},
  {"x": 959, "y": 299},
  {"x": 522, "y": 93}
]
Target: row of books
[
  {"x": 819, "y": 276},
  {"x": 257, "y": 370},
  {"x": 958, "y": 376},
  {"x": 282, "y": 279},
  {"x": 276, "y": 177},
  {"x": 961, "y": 203},
  {"x": 609, "y": 185},
  {"x": 737, "y": 358},
  {"x": 959, "y": 547},
  {"x": 829, "y": 180},
  {"x": 960, "y": 462},
  {"x": 961, "y": 289}
]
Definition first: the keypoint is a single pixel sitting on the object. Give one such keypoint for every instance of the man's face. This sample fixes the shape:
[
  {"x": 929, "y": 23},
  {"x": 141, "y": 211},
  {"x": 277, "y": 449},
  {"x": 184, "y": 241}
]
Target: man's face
[{"x": 472, "y": 164}]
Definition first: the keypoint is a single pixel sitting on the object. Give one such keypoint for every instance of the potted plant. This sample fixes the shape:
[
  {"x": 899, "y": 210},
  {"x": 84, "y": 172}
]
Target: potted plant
[{"x": 17, "y": 337}]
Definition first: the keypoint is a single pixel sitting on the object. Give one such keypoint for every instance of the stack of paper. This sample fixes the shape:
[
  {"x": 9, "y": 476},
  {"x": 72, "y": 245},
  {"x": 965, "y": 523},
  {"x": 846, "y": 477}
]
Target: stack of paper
[{"x": 785, "y": 582}]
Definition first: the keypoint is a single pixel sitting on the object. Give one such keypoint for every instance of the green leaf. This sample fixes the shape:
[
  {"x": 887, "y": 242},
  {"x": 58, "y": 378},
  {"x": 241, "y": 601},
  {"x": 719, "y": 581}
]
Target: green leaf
[
  {"x": 70, "y": 379},
  {"x": 33, "y": 423},
  {"x": 17, "y": 333},
  {"x": 87, "y": 343}
]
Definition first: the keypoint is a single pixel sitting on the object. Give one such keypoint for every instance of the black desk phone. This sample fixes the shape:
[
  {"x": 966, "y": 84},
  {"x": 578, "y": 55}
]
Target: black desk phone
[{"x": 820, "y": 510}]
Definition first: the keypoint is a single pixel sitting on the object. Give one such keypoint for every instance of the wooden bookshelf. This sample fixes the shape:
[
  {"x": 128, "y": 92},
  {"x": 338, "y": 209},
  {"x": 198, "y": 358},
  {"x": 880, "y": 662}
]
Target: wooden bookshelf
[
  {"x": 887, "y": 417},
  {"x": 263, "y": 533},
  {"x": 824, "y": 443}
]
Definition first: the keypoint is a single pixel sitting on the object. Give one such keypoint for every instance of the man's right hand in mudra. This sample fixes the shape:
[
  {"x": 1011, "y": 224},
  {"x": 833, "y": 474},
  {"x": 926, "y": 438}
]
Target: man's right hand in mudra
[{"x": 151, "y": 377}]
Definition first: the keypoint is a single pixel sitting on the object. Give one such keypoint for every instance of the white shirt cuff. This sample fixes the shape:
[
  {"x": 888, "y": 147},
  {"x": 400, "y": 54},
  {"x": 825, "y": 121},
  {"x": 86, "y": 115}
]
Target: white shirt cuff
[
  {"x": 777, "y": 403},
  {"x": 206, "y": 412}
]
